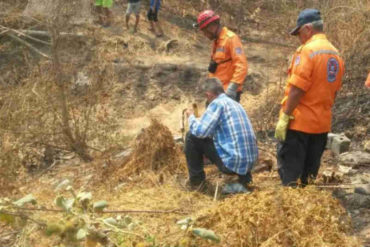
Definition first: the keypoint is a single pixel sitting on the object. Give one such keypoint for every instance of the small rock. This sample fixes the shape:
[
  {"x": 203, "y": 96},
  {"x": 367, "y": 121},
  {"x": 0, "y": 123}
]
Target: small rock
[
  {"x": 360, "y": 178},
  {"x": 330, "y": 140},
  {"x": 178, "y": 139},
  {"x": 363, "y": 189},
  {"x": 356, "y": 201},
  {"x": 367, "y": 146},
  {"x": 355, "y": 159},
  {"x": 346, "y": 170},
  {"x": 339, "y": 144}
]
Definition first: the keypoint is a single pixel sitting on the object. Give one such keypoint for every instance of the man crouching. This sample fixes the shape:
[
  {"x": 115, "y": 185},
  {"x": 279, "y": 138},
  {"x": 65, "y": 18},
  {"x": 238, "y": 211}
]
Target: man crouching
[{"x": 224, "y": 135}]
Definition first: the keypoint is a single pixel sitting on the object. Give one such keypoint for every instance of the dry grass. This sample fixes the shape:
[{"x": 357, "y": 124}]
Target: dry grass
[{"x": 280, "y": 217}]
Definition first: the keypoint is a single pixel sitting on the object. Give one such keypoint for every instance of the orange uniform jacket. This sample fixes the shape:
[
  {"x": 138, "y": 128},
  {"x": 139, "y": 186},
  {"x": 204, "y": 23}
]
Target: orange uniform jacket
[
  {"x": 367, "y": 83},
  {"x": 317, "y": 69},
  {"x": 228, "y": 53}
]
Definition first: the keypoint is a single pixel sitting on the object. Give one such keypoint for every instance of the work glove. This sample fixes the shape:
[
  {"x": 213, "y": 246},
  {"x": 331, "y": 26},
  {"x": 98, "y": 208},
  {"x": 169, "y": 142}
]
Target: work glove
[
  {"x": 231, "y": 90},
  {"x": 282, "y": 126}
]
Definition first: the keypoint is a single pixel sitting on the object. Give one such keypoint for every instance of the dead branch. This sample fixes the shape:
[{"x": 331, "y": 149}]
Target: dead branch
[
  {"x": 21, "y": 34},
  {"x": 47, "y": 34},
  {"x": 76, "y": 144},
  {"x": 176, "y": 211},
  {"x": 4, "y": 32},
  {"x": 25, "y": 43}
]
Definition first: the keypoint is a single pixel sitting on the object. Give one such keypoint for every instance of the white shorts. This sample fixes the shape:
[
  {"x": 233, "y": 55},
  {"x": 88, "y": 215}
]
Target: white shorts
[{"x": 133, "y": 8}]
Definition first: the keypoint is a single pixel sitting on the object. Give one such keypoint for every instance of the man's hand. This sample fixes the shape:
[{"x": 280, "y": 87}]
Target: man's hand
[
  {"x": 231, "y": 90},
  {"x": 282, "y": 126},
  {"x": 189, "y": 112}
]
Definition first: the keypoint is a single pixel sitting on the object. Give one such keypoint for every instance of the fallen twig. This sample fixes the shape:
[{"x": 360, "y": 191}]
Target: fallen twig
[
  {"x": 179, "y": 211},
  {"x": 4, "y": 32},
  {"x": 8, "y": 233},
  {"x": 19, "y": 33},
  {"x": 106, "y": 211},
  {"x": 28, "y": 45},
  {"x": 216, "y": 192},
  {"x": 47, "y": 34}
]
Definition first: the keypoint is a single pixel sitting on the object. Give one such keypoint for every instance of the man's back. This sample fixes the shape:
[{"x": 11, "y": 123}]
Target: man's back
[
  {"x": 227, "y": 123},
  {"x": 317, "y": 69},
  {"x": 228, "y": 53}
]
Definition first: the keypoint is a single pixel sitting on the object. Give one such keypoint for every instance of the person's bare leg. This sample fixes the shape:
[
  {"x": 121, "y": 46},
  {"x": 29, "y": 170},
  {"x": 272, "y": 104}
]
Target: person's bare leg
[
  {"x": 159, "y": 28},
  {"x": 127, "y": 21},
  {"x": 152, "y": 29},
  {"x": 108, "y": 16},
  {"x": 99, "y": 11},
  {"x": 137, "y": 22}
]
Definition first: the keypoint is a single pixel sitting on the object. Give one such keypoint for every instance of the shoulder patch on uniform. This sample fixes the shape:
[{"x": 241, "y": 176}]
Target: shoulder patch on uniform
[
  {"x": 238, "y": 50},
  {"x": 333, "y": 69},
  {"x": 297, "y": 60}
]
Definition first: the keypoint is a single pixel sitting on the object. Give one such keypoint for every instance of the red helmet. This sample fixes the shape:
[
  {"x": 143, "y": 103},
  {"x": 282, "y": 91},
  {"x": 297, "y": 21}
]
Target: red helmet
[{"x": 206, "y": 17}]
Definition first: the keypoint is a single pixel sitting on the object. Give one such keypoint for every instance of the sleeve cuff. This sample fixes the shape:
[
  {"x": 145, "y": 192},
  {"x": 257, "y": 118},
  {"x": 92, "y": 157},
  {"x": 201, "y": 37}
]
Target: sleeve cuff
[
  {"x": 300, "y": 83},
  {"x": 192, "y": 118}
]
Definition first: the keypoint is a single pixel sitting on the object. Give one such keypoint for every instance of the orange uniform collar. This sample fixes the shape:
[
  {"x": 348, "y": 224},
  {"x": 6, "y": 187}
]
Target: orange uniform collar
[
  {"x": 316, "y": 37},
  {"x": 223, "y": 33}
]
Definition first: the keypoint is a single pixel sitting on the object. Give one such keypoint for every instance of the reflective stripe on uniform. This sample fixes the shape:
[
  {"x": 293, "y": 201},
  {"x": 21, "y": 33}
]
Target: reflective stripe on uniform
[{"x": 322, "y": 52}]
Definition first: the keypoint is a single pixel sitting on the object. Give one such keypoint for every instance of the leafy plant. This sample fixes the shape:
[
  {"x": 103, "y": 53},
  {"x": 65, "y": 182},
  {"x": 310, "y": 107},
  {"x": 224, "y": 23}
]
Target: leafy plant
[{"x": 80, "y": 219}]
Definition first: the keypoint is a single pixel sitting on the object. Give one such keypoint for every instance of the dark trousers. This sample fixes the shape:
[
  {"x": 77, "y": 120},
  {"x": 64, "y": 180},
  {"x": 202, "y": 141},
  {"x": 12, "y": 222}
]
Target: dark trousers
[
  {"x": 195, "y": 148},
  {"x": 238, "y": 95},
  {"x": 299, "y": 156}
]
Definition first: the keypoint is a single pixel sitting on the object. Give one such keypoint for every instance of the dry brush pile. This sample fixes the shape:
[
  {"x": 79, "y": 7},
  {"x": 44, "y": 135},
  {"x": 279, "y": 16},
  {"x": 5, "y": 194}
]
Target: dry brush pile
[
  {"x": 280, "y": 217},
  {"x": 154, "y": 158}
]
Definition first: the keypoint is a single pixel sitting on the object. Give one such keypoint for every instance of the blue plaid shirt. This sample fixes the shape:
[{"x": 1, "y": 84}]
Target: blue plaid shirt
[{"x": 227, "y": 123}]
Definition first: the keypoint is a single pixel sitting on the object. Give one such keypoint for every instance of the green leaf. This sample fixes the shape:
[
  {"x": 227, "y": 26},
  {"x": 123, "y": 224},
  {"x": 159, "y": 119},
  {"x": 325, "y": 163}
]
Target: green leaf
[
  {"x": 110, "y": 221},
  {"x": 62, "y": 185},
  {"x": 100, "y": 205},
  {"x": 131, "y": 226},
  {"x": 6, "y": 218},
  {"x": 64, "y": 203},
  {"x": 206, "y": 234},
  {"x": 81, "y": 234},
  {"x": 84, "y": 197},
  {"x": 27, "y": 199},
  {"x": 53, "y": 228},
  {"x": 127, "y": 220}
]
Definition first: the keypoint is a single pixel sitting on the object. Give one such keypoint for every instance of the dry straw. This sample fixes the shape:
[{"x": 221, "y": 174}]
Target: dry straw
[{"x": 281, "y": 217}]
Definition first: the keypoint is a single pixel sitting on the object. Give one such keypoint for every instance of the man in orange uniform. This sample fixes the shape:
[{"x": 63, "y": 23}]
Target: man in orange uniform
[
  {"x": 367, "y": 83},
  {"x": 314, "y": 77},
  {"x": 228, "y": 61}
]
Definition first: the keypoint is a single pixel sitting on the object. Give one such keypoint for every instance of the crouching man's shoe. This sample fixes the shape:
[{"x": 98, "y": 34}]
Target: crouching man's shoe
[{"x": 235, "y": 188}]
